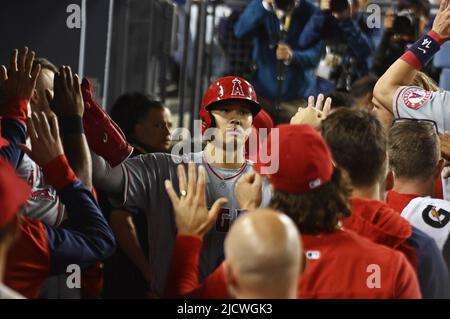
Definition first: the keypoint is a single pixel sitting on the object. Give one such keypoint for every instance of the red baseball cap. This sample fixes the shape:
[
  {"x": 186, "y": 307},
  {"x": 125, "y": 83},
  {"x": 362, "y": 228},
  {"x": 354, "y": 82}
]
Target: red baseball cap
[
  {"x": 13, "y": 192},
  {"x": 305, "y": 162}
]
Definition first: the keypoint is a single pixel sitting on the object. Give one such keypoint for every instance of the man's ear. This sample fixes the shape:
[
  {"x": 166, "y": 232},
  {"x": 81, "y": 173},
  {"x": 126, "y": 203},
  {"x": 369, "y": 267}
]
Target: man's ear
[
  {"x": 439, "y": 168},
  {"x": 34, "y": 97},
  {"x": 390, "y": 179}
]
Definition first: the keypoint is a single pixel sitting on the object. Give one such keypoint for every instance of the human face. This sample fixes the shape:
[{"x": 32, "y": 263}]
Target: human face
[
  {"x": 154, "y": 131},
  {"x": 233, "y": 121},
  {"x": 45, "y": 82}
]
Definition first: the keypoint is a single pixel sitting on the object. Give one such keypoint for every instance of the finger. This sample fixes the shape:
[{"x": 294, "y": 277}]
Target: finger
[
  {"x": 48, "y": 96},
  {"x": 215, "y": 209},
  {"x": 14, "y": 60},
  {"x": 34, "y": 74},
  {"x": 201, "y": 186},
  {"x": 3, "y": 73},
  {"x": 54, "y": 127},
  {"x": 37, "y": 126},
  {"x": 327, "y": 107},
  {"x": 69, "y": 78},
  {"x": 76, "y": 84},
  {"x": 311, "y": 101},
  {"x": 319, "y": 103},
  {"x": 171, "y": 192},
  {"x": 31, "y": 129},
  {"x": 182, "y": 182},
  {"x": 29, "y": 63},
  {"x": 57, "y": 83},
  {"x": 443, "y": 5},
  {"x": 25, "y": 149},
  {"x": 23, "y": 59},
  {"x": 192, "y": 179},
  {"x": 62, "y": 78}
]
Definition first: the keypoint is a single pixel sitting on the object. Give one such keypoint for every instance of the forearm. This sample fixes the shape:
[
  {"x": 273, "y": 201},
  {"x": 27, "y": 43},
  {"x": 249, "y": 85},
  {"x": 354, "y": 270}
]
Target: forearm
[
  {"x": 358, "y": 42},
  {"x": 15, "y": 132},
  {"x": 79, "y": 157},
  {"x": 89, "y": 239},
  {"x": 251, "y": 19},
  {"x": 403, "y": 71},
  {"x": 308, "y": 59},
  {"x": 314, "y": 29},
  {"x": 125, "y": 231},
  {"x": 105, "y": 178}
]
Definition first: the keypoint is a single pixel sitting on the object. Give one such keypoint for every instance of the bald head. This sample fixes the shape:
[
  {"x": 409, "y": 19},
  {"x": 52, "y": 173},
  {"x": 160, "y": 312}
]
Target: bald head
[{"x": 263, "y": 256}]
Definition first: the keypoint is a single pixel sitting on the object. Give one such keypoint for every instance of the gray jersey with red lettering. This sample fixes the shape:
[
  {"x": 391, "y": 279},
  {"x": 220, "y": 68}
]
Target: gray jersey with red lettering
[
  {"x": 144, "y": 191},
  {"x": 44, "y": 203},
  {"x": 417, "y": 103}
]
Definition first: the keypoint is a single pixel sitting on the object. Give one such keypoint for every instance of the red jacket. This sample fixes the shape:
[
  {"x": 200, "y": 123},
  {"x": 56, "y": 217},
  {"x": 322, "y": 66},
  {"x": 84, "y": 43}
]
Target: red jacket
[
  {"x": 341, "y": 271},
  {"x": 381, "y": 224}
]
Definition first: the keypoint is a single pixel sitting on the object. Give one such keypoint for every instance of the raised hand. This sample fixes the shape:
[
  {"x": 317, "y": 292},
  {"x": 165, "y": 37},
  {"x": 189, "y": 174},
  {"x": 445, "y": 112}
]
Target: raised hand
[
  {"x": 191, "y": 212},
  {"x": 315, "y": 113},
  {"x": 67, "y": 99},
  {"x": 20, "y": 81},
  {"x": 441, "y": 23},
  {"x": 45, "y": 140},
  {"x": 248, "y": 191}
]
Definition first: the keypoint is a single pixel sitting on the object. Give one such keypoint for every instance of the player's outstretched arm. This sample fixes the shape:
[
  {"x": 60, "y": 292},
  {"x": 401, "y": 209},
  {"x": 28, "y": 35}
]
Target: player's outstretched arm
[{"x": 403, "y": 71}]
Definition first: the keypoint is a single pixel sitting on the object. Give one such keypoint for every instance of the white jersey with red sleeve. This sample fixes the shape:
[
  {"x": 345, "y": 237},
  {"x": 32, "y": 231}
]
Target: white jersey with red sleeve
[{"x": 417, "y": 103}]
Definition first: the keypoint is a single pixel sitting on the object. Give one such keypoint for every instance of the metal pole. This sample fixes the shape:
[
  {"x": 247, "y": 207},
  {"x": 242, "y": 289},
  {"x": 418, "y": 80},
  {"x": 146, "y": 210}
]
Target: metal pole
[
  {"x": 184, "y": 62},
  {"x": 82, "y": 40},
  {"x": 198, "y": 62},
  {"x": 108, "y": 53}
]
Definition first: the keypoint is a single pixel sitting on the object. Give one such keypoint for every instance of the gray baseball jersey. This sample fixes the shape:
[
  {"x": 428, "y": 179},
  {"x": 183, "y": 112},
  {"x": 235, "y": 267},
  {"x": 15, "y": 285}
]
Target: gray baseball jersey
[
  {"x": 144, "y": 190},
  {"x": 44, "y": 203},
  {"x": 415, "y": 102}
]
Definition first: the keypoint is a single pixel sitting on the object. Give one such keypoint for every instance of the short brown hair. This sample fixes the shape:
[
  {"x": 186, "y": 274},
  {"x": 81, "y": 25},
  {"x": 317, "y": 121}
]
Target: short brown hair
[
  {"x": 45, "y": 64},
  {"x": 413, "y": 148},
  {"x": 358, "y": 143},
  {"x": 318, "y": 211}
]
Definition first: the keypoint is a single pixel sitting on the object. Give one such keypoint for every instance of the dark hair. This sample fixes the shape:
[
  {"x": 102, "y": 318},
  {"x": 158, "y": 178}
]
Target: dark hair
[
  {"x": 318, "y": 211},
  {"x": 413, "y": 149},
  {"x": 130, "y": 108},
  {"x": 358, "y": 143},
  {"x": 422, "y": 6},
  {"x": 45, "y": 64},
  {"x": 341, "y": 99},
  {"x": 363, "y": 86}
]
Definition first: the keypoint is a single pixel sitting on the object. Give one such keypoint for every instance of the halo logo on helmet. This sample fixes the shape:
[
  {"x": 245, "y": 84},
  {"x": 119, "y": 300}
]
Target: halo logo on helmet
[
  {"x": 237, "y": 88},
  {"x": 227, "y": 88}
]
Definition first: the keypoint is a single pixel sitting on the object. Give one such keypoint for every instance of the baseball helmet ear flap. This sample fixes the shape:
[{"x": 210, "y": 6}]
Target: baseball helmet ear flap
[{"x": 227, "y": 88}]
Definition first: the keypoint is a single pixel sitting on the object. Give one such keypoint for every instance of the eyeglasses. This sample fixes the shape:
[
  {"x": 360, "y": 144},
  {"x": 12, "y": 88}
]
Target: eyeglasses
[{"x": 430, "y": 123}]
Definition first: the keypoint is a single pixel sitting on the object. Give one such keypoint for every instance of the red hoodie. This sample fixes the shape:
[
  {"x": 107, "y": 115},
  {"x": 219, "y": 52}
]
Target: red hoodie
[
  {"x": 339, "y": 268},
  {"x": 383, "y": 225}
]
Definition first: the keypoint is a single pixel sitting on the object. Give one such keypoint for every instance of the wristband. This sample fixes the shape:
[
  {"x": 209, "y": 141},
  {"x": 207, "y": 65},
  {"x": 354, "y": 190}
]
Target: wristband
[
  {"x": 72, "y": 124},
  {"x": 423, "y": 50}
]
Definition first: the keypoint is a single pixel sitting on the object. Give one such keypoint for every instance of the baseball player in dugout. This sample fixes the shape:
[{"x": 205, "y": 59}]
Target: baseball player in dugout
[
  {"x": 316, "y": 196},
  {"x": 227, "y": 111},
  {"x": 393, "y": 95},
  {"x": 35, "y": 250},
  {"x": 358, "y": 142}
]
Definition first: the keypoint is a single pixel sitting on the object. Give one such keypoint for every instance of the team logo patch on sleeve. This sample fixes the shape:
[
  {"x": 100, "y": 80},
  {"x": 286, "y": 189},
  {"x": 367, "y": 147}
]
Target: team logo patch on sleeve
[{"x": 414, "y": 98}]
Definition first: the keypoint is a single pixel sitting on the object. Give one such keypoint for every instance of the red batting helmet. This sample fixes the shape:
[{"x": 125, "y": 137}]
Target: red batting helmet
[{"x": 227, "y": 88}]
